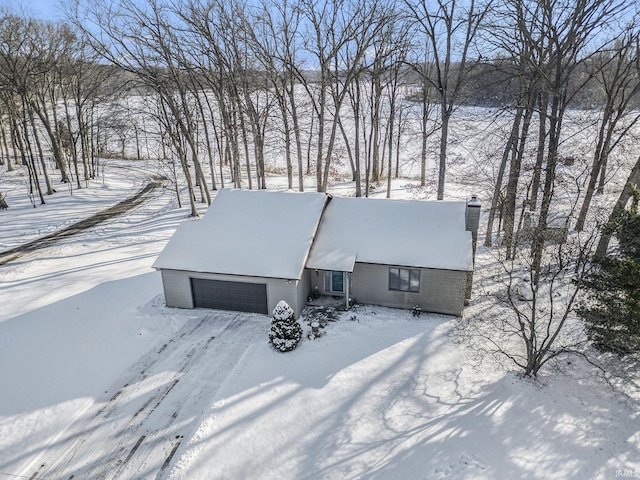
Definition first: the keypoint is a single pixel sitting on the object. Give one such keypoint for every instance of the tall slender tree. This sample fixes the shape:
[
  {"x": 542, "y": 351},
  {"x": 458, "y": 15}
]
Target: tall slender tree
[
  {"x": 617, "y": 72},
  {"x": 449, "y": 29}
]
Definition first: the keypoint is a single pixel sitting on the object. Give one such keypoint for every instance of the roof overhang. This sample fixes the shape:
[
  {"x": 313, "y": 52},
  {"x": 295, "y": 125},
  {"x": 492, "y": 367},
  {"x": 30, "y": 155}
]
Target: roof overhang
[{"x": 336, "y": 260}]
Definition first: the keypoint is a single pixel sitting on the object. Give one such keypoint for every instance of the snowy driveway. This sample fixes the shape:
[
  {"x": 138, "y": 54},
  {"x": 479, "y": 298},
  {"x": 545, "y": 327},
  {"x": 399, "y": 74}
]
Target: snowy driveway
[{"x": 137, "y": 428}]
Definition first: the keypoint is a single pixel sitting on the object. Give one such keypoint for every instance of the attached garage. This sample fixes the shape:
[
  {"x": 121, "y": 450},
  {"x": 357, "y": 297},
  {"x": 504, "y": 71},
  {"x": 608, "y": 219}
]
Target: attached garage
[
  {"x": 246, "y": 254},
  {"x": 227, "y": 295}
]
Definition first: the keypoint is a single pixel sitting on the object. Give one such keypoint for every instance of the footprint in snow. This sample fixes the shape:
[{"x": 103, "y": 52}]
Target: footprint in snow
[
  {"x": 465, "y": 462},
  {"x": 472, "y": 460}
]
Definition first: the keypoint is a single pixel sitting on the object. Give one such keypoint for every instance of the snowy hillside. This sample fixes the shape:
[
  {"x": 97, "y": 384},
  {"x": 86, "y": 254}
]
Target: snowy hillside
[{"x": 100, "y": 380}]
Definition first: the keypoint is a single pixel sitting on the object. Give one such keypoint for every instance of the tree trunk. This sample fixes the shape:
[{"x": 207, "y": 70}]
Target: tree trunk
[
  {"x": 633, "y": 181},
  {"x": 321, "y": 119},
  {"x": 442, "y": 162},
  {"x": 245, "y": 144},
  {"x": 10, "y": 167},
  {"x": 542, "y": 139},
  {"x": 297, "y": 136},
  {"x": 287, "y": 146},
  {"x": 50, "y": 189},
  {"x": 72, "y": 142},
  {"x": 332, "y": 139},
  {"x": 555, "y": 125},
  {"x": 205, "y": 125},
  {"x": 392, "y": 114},
  {"x": 425, "y": 137},
  {"x": 375, "y": 130},
  {"x": 515, "y": 126},
  {"x": 347, "y": 144},
  {"x": 31, "y": 163},
  {"x": 53, "y": 140},
  {"x": 512, "y": 184},
  {"x": 356, "y": 116}
]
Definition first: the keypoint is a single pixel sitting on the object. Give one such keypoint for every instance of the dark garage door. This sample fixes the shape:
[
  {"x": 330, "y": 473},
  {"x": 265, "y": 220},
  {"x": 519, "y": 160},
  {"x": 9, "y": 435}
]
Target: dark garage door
[{"x": 225, "y": 295}]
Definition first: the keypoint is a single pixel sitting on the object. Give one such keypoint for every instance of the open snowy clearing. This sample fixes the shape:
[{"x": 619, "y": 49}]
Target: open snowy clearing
[{"x": 89, "y": 388}]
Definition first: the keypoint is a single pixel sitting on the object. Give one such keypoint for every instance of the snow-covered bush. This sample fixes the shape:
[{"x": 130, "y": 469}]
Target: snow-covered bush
[{"x": 285, "y": 332}]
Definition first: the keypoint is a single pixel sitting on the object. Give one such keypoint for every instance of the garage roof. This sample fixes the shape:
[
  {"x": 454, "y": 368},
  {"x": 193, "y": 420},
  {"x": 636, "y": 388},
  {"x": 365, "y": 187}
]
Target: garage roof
[
  {"x": 248, "y": 232},
  {"x": 412, "y": 233}
]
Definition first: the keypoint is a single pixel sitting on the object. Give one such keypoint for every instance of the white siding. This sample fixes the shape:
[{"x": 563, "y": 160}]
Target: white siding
[
  {"x": 278, "y": 289},
  {"x": 177, "y": 288}
]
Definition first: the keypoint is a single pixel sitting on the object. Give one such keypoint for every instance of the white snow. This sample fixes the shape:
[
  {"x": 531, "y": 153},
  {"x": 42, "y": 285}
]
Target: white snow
[
  {"x": 22, "y": 222},
  {"x": 381, "y": 394},
  {"x": 282, "y": 311},
  {"x": 240, "y": 227},
  {"x": 413, "y": 233}
]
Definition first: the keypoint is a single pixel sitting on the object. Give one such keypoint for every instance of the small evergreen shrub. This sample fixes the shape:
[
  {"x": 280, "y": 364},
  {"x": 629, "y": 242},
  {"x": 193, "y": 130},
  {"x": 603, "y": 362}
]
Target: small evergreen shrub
[{"x": 285, "y": 332}]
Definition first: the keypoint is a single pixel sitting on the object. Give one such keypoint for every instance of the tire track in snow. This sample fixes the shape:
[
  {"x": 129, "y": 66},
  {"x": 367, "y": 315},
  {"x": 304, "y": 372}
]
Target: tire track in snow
[
  {"x": 141, "y": 367},
  {"x": 100, "y": 217},
  {"x": 193, "y": 397},
  {"x": 111, "y": 439},
  {"x": 64, "y": 455}
]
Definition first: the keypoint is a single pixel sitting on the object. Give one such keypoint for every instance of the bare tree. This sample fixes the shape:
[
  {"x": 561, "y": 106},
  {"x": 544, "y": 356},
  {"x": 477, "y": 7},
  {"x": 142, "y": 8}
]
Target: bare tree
[
  {"x": 50, "y": 44},
  {"x": 273, "y": 34},
  {"x": 5, "y": 144},
  {"x": 141, "y": 39},
  {"x": 341, "y": 33},
  {"x": 532, "y": 318},
  {"x": 449, "y": 30},
  {"x": 567, "y": 32},
  {"x": 358, "y": 144},
  {"x": 508, "y": 30},
  {"x": 618, "y": 74},
  {"x": 631, "y": 185},
  {"x": 423, "y": 64},
  {"x": 398, "y": 60},
  {"x": 25, "y": 72},
  {"x": 215, "y": 57},
  {"x": 83, "y": 84}
]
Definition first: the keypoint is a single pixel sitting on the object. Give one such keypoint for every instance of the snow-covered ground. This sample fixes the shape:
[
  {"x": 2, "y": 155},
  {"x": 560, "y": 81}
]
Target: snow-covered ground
[{"x": 99, "y": 380}]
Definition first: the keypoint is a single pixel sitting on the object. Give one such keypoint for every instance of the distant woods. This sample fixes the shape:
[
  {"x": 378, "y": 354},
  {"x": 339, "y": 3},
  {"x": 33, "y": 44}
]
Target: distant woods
[{"x": 217, "y": 89}]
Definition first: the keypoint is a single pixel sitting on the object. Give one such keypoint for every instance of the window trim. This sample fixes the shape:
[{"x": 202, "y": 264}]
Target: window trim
[{"x": 406, "y": 279}]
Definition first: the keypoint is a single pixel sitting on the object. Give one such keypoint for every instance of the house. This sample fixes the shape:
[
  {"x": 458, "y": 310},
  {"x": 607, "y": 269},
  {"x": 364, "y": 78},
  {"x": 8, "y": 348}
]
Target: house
[
  {"x": 247, "y": 253},
  {"x": 396, "y": 253},
  {"x": 254, "y": 248}
]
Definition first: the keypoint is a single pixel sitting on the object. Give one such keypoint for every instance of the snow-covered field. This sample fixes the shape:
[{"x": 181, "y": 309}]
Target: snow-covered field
[{"x": 99, "y": 380}]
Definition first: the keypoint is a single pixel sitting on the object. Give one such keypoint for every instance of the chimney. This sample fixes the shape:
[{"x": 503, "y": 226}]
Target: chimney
[{"x": 472, "y": 219}]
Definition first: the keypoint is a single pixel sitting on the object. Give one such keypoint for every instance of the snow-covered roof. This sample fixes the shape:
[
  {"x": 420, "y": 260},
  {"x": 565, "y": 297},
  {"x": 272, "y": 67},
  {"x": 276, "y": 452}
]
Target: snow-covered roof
[
  {"x": 248, "y": 232},
  {"x": 275, "y": 234},
  {"x": 418, "y": 233}
]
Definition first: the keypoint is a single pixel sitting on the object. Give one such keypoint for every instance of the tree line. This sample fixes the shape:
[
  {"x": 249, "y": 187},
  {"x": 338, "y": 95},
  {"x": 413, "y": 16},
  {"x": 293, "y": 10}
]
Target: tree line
[{"x": 218, "y": 76}]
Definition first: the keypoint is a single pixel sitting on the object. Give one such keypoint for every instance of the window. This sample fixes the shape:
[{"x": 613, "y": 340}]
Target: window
[
  {"x": 334, "y": 282},
  {"x": 337, "y": 281},
  {"x": 404, "y": 280}
]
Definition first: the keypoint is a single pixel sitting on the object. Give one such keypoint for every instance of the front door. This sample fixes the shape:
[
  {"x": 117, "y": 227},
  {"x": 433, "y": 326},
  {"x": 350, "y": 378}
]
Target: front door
[{"x": 337, "y": 281}]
